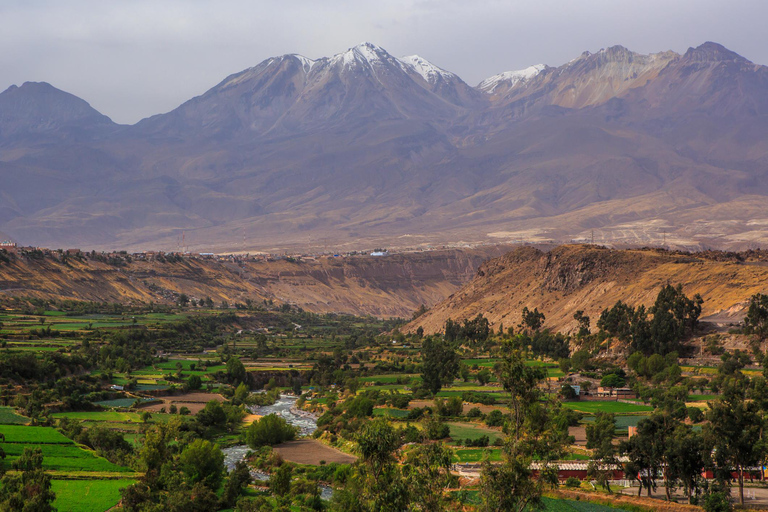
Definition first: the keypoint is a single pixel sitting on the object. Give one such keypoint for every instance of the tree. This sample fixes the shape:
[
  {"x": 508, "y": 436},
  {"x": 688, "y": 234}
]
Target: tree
[
  {"x": 382, "y": 486},
  {"x": 532, "y": 435},
  {"x": 237, "y": 481},
  {"x": 241, "y": 394},
  {"x": 509, "y": 486},
  {"x": 202, "y": 461},
  {"x": 28, "y": 490},
  {"x": 532, "y": 319},
  {"x": 734, "y": 430},
  {"x": 583, "y": 321},
  {"x": 194, "y": 382},
  {"x": 649, "y": 451},
  {"x": 236, "y": 371},
  {"x": 440, "y": 363},
  {"x": 280, "y": 481},
  {"x": 686, "y": 458},
  {"x": 600, "y": 439},
  {"x": 269, "y": 431},
  {"x": 428, "y": 470},
  {"x": 522, "y": 382},
  {"x": 612, "y": 381},
  {"x": 212, "y": 415},
  {"x": 756, "y": 321}
]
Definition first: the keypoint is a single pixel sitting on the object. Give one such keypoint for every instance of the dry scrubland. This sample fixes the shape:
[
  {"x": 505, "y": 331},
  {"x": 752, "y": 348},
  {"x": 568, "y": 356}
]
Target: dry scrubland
[{"x": 579, "y": 277}]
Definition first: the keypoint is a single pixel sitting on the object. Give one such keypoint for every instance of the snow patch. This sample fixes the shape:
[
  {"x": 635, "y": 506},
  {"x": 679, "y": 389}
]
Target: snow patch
[
  {"x": 511, "y": 78},
  {"x": 426, "y": 69},
  {"x": 305, "y": 62}
]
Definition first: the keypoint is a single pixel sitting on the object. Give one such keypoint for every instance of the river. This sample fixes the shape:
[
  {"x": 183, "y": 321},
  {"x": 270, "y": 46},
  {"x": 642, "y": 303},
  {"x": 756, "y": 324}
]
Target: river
[{"x": 285, "y": 406}]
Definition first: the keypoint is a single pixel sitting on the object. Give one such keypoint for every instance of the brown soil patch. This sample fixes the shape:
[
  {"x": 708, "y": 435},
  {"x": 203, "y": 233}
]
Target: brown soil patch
[
  {"x": 580, "y": 435},
  {"x": 195, "y": 402},
  {"x": 250, "y": 418},
  {"x": 311, "y": 451}
]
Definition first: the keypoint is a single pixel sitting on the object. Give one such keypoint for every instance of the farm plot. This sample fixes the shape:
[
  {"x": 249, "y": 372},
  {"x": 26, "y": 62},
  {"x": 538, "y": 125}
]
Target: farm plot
[
  {"x": 9, "y": 417},
  {"x": 88, "y": 495},
  {"x": 59, "y": 452},
  {"x": 472, "y": 431},
  {"x": 311, "y": 451},
  {"x": 614, "y": 407}
]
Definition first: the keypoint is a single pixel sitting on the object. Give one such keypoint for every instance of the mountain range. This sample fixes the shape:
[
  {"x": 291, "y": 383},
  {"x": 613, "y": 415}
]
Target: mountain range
[{"x": 364, "y": 150}]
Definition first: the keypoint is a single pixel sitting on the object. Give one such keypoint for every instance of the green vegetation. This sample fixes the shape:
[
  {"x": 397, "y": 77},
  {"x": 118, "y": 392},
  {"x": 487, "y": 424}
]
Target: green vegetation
[{"x": 94, "y": 402}]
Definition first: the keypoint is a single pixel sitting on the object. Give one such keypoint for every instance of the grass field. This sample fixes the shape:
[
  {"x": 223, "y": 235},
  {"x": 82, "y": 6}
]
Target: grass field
[
  {"x": 87, "y": 495},
  {"x": 100, "y": 416},
  {"x": 33, "y": 435},
  {"x": 555, "y": 505},
  {"x": 472, "y": 431},
  {"x": 614, "y": 407},
  {"x": 59, "y": 452},
  {"x": 9, "y": 417},
  {"x": 476, "y": 454},
  {"x": 390, "y": 413}
]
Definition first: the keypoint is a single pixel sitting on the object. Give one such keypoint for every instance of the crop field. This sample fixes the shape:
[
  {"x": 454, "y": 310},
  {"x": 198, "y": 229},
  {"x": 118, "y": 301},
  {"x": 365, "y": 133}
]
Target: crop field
[
  {"x": 59, "y": 452},
  {"x": 390, "y": 413},
  {"x": 472, "y": 431},
  {"x": 555, "y": 505},
  {"x": 476, "y": 454},
  {"x": 9, "y": 417},
  {"x": 607, "y": 406},
  {"x": 33, "y": 435},
  {"x": 88, "y": 495}
]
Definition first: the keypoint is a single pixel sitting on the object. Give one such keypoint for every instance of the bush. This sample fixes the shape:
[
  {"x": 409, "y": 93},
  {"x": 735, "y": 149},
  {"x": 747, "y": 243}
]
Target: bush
[
  {"x": 480, "y": 442},
  {"x": 573, "y": 482},
  {"x": 475, "y": 413},
  {"x": 695, "y": 414},
  {"x": 495, "y": 418},
  {"x": 268, "y": 431}
]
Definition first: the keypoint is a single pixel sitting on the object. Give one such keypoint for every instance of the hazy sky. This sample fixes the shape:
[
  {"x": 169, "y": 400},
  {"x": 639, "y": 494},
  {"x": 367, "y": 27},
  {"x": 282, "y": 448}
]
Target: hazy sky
[{"x": 134, "y": 58}]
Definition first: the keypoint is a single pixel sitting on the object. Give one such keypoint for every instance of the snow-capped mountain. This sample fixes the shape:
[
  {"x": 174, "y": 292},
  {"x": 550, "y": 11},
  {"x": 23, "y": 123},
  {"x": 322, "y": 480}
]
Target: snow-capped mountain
[
  {"x": 503, "y": 82},
  {"x": 363, "y": 145}
]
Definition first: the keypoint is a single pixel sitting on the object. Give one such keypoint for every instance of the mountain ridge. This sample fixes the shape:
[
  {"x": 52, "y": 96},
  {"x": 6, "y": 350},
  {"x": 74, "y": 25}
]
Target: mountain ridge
[{"x": 362, "y": 148}]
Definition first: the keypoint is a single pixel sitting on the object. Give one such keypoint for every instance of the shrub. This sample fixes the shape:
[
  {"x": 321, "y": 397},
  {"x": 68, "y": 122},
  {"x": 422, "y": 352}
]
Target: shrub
[
  {"x": 573, "y": 482},
  {"x": 269, "y": 430},
  {"x": 495, "y": 418}
]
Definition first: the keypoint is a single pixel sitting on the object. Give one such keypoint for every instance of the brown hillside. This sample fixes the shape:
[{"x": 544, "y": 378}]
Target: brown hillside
[
  {"x": 394, "y": 285},
  {"x": 589, "y": 278}
]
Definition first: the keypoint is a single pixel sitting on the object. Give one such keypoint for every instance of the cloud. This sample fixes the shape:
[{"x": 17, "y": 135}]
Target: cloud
[{"x": 138, "y": 58}]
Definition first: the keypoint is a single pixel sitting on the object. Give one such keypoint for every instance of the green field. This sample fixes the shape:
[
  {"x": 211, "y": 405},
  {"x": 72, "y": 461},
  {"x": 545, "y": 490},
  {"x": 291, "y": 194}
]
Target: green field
[
  {"x": 476, "y": 454},
  {"x": 472, "y": 431},
  {"x": 614, "y": 407},
  {"x": 59, "y": 452},
  {"x": 33, "y": 435},
  {"x": 87, "y": 495},
  {"x": 100, "y": 416},
  {"x": 390, "y": 413},
  {"x": 9, "y": 417}
]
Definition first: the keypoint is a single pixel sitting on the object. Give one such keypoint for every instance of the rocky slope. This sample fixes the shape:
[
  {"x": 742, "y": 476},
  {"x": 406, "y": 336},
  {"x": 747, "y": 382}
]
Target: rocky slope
[
  {"x": 590, "y": 278},
  {"x": 394, "y": 285}
]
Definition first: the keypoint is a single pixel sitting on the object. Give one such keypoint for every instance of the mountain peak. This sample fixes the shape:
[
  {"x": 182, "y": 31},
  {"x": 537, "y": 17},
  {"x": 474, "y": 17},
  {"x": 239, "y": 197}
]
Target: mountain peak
[
  {"x": 363, "y": 53},
  {"x": 426, "y": 69},
  {"x": 510, "y": 78},
  {"x": 712, "y": 52},
  {"x": 40, "y": 107}
]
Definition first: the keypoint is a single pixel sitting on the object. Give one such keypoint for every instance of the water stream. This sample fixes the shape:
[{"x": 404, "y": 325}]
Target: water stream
[{"x": 285, "y": 406}]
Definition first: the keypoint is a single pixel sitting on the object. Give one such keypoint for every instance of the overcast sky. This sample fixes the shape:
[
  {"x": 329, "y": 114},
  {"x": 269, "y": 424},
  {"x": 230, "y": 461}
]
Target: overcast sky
[{"x": 134, "y": 58}]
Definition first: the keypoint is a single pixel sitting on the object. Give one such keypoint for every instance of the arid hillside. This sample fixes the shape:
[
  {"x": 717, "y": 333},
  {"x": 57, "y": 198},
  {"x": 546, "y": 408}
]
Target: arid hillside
[
  {"x": 394, "y": 285},
  {"x": 590, "y": 278}
]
